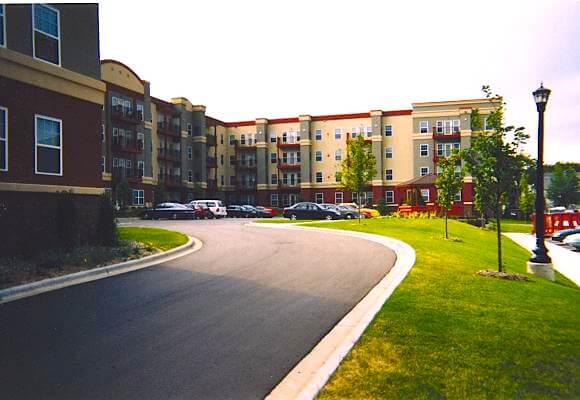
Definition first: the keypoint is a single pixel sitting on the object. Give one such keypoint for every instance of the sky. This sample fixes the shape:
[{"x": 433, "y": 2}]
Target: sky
[{"x": 270, "y": 59}]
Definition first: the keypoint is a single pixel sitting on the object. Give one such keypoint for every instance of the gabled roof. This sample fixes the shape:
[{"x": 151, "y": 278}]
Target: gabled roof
[{"x": 428, "y": 179}]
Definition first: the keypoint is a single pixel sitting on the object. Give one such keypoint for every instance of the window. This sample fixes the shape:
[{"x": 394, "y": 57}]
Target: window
[
  {"x": 46, "y": 33},
  {"x": 243, "y": 139},
  {"x": 458, "y": 170},
  {"x": 272, "y": 137},
  {"x": 189, "y": 130},
  {"x": 319, "y": 177},
  {"x": 369, "y": 131},
  {"x": 232, "y": 180},
  {"x": 318, "y": 134},
  {"x": 389, "y": 174},
  {"x": 189, "y": 152},
  {"x": 439, "y": 149},
  {"x": 388, "y": 130},
  {"x": 232, "y": 140},
  {"x": 103, "y": 164},
  {"x": 424, "y": 171},
  {"x": 456, "y": 146},
  {"x": 3, "y": 139},
  {"x": 439, "y": 126},
  {"x": 140, "y": 112},
  {"x": 2, "y": 26},
  {"x": 424, "y": 127},
  {"x": 456, "y": 126},
  {"x": 338, "y": 197},
  {"x": 487, "y": 124},
  {"x": 138, "y": 197},
  {"x": 424, "y": 150},
  {"x": 389, "y": 152},
  {"x": 141, "y": 168},
  {"x": 274, "y": 179},
  {"x": 318, "y": 156},
  {"x": 457, "y": 196},
  {"x": 189, "y": 175},
  {"x": 48, "y": 138},
  {"x": 425, "y": 195},
  {"x": 338, "y": 155},
  {"x": 103, "y": 133},
  {"x": 232, "y": 161},
  {"x": 337, "y": 133},
  {"x": 140, "y": 140},
  {"x": 272, "y": 158},
  {"x": 319, "y": 198},
  {"x": 221, "y": 138},
  {"x": 115, "y": 162},
  {"x": 390, "y": 196},
  {"x": 274, "y": 200}
]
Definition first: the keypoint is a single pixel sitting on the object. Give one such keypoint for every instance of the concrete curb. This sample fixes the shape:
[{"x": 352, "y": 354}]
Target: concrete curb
[
  {"x": 48, "y": 285},
  {"x": 306, "y": 379}
]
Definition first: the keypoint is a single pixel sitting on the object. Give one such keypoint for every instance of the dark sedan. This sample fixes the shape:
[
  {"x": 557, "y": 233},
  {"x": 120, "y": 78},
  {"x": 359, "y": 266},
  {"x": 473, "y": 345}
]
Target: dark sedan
[
  {"x": 306, "y": 210},
  {"x": 345, "y": 212},
  {"x": 561, "y": 235},
  {"x": 169, "y": 211},
  {"x": 236, "y": 212}
]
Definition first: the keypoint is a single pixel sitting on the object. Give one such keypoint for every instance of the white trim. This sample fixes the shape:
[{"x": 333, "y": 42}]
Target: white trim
[
  {"x": 316, "y": 177},
  {"x": 339, "y": 131},
  {"x": 321, "y": 194},
  {"x": 420, "y": 127},
  {"x": 392, "y": 192},
  {"x": 428, "y": 195},
  {"x": 61, "y": 147},
  {"x": 385, "y": 130},
  {"x": 336, "y": 201},
  {"x": 421, "y": 149},
  {"x": 3, "y": 6},
  {"x": 386, "y": 152},
  {"x": 5, "y": 140},
  {"x": 421, "y": 171},
  {"x": 386, "y": 174},
  {"x": 47, "y": 34},
  {"x": 316, "y": 154},
  {"x": 315, "y": 136}
]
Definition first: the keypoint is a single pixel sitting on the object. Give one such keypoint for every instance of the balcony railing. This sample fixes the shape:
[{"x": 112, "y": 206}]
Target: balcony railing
[
  {"x": 245, "y": 145},
  {"x": 126, "y": 114},
  {"x": 170, "y": 179},
  {"x": 454, "y": 134},
  {"x": 168, "y": 128},
  {"x": 131, "y": 174},
  {"x": 288, "y": 164},
  {"x": 246, "y": 164},
  {"x": 169, "y": 154},
  {"x": 127, "y": 146},
  {"x": 291, "y": 142},
  {"x": 288, "y": 185}
]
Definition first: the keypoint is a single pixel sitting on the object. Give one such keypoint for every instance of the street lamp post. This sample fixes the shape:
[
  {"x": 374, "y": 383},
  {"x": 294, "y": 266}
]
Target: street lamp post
[{"x": 540, "y": 263}]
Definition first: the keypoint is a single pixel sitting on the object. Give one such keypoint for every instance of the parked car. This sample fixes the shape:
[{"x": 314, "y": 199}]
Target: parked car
[
  {"x": 573, "y": 240},
  {"x": 266, "y": 212},
  {"x": 561, "y": 235},
  {"x": 251, "y": 211},
  {"x": 201, "y": 211},
  {"x": 215, "y": 206},
  {"x": 345, "y": 212},
  {"x": 169, "y": 211},
  {"x": 236, "y": 211},
  {"x": 371, "y": 212},
  {"x": 307, "y": 210}
]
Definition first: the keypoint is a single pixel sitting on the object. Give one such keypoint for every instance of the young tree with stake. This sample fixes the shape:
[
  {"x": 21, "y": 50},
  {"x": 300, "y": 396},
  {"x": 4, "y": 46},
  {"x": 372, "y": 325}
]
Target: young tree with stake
[{"x": 448, "y": 183}]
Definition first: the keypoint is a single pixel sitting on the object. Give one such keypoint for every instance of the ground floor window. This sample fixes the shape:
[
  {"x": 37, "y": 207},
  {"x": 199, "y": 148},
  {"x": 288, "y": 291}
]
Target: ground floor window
[
  {"x": 389, "y": 196},
  {"x": 319, "y": 198},
  {"x": 338, "y": 197},
  {"x": 274, "y": 200},
  {"x": 48, "y": 140},
  {"x": 458, "y": 196},
  {"x": 138, "y": 197},
  {"x": 425, "y": 195},
  {"x": 3, "y": 138}
]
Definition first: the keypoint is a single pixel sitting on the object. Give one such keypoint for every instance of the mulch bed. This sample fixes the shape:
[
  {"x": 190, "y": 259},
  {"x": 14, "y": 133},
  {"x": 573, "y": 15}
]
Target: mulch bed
[{"x": 509, "y": 276}]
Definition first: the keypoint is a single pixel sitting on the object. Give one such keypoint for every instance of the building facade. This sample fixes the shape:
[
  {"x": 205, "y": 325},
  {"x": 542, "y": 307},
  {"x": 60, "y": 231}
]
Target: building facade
[{"x": 51, "y": 99}]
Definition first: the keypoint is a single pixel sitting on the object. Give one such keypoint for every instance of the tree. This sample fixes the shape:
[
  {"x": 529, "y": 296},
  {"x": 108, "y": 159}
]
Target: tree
[
  {"x": 358, "y": 168},
  {"x": 123, "y": 193},
  {"x": 382, "y": 206},
  {"x": 526, "y": 198},
  {"x": 494, "y": 161},
  {"x": 448, "y": 183},
  {"x": 563, "y": 189}
]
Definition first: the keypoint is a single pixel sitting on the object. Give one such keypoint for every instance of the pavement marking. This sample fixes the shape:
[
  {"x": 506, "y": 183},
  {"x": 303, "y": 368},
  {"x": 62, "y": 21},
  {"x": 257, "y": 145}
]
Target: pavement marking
[
  {"x": 48, "y": 285},
  {"x": 306, "y": 379}
]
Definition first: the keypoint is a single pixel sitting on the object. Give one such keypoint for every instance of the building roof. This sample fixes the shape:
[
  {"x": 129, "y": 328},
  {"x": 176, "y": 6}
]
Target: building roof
[{"x": 428, "y": 179}]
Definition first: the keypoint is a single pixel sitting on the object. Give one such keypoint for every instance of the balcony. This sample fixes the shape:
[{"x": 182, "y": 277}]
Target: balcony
[
  {"x": 127, "y": 146},
  {"x": 131, "y": 174},
  {"x": 168, "y": 129},
  {"x": 170, "y": 180},
  {"x": 444, "y": 155},
  {"x": 211, "y": 140},
  {"x": 288, "y": 185},
  {"x": 454, "y": 135},
  {"x": 211, "y": 162},
  {"x": 168, "y": 154},
  {"x": 247, "y": 186},
  {"x": 288, "y": 143},
  {"x": 246, "y": 165},
  {"x": 288, "y": 164},
  {"x": 247, "y": 146},
  {"x": 128, "y": 115}
]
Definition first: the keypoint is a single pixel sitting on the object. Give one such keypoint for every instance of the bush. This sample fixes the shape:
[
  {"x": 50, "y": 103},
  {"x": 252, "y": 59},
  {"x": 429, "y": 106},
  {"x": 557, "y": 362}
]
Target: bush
[
  {"x": 106, "y": 224},
  {"x": 382, "y": 206},
  {"x": 67, "y": 220}
]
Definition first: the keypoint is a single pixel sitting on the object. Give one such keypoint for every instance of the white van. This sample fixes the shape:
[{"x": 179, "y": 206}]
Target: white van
[{"x": 216, "y": 207}]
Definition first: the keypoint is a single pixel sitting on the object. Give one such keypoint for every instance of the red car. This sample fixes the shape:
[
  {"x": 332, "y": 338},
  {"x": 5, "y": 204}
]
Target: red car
[
  {"x": 202, "y": 212},
  {"x": 266, "y": 212}
]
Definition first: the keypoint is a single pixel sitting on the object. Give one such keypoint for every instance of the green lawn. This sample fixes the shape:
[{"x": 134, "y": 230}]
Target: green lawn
[
  {"x": 449, "y": 333},
  {"x": 516, "y": 225},
  {"x": 153, "y": 237}
]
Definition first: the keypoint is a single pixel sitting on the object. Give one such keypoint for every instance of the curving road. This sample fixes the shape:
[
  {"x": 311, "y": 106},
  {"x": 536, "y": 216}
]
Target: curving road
[{"x": 229, "y": 321}]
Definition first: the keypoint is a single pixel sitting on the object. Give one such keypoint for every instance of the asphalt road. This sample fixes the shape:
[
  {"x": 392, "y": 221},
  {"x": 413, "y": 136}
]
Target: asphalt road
[{"x": 227, "y": 322}]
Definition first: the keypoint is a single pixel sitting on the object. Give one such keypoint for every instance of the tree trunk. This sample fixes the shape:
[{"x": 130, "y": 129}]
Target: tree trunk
[
  {"x": 498, "y": 223},
  {"x": 446, "y": 236}
]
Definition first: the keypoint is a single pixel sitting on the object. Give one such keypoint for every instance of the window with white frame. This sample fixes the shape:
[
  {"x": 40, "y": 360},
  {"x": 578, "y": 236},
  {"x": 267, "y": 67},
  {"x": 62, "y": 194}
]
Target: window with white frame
[
  {"x": 353, "y": 133},
  {"x": 440, "y": 127},
  {"x": 390, "y": 196},
  {"x": 338, "y": 155},
  {"x": 458, "y": 170},
  {"x": 46, "y": 33},
  {"x": 388, "y": 130},
  {"x": 318, "y": 156},
  {"x": 272, "y": 137},
  {"x": 141, "y": 112},
  {"x": 232, "y": 140},
  {"x": 389, "y": 174},
  {"x": 369, "y": 131},
  {"x": 438, "y": 170},
  {"x": 318, "y": 134},
  {"x": 456, "y": 126},
  {"x": 273, "y": 158},
  {"x": 274, "y": 179},
  {"x": 439, "y": 149},
  {"x": 388, "y": 152},
  {"x": 319, "y": 198},
  {"x": 48, "y": 138},
  {"x": 242, "y": 139},
  {"x": 138, "y": 197},
  {"x": 103, "y": 163},
  {"x": 189, "y": 175},
  {"x": 338, "y": 197},
  {"x": 425, "y": 195},
  {"x": 423, "y": 171},
  {"x": 457, "y": 196},
  {"x": 3, "y": 139},
  {"x": 337, "y": 133},
  {"x": 2, "y": 26},
  {"x": 274, "y": 200},
  {"x": 189, "y": 130},
  {"x": 189, "y": 152},
  {"x": 424, "y": 127},
  {"x": 424, "y": 150},
  {"x": 319, "y": 177},
  {"x": 140, "y": 140}
]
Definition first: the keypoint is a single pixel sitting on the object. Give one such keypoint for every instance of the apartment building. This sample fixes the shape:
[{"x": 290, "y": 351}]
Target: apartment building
[{"x": 51, "y": 99}]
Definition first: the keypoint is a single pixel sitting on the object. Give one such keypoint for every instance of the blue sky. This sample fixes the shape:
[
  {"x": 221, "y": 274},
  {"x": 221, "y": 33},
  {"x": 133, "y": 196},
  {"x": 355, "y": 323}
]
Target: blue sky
[{"x": 250, "y": 59}]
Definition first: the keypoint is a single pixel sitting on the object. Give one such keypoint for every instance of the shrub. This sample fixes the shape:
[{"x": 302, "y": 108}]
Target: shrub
[
  {"x": 106, "y": 224},
  {"x": 382, "y": 206},
  {"x": 67, "y": 220}
]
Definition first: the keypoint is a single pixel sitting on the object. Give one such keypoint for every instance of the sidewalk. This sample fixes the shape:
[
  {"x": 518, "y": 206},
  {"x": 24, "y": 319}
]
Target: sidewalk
[{"x": 566, "y": 262}]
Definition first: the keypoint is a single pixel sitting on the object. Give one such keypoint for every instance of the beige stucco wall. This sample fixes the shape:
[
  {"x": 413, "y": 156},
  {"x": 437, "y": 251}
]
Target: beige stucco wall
[{"x": 121, "y": 76}]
